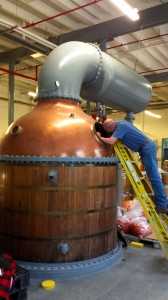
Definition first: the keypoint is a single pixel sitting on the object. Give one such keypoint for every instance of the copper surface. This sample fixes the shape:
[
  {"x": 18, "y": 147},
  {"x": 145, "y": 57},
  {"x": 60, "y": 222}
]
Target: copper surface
[{"x": 55, "y": 127}]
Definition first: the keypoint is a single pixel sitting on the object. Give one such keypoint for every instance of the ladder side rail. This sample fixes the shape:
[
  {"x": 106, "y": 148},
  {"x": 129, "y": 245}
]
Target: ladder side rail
[{"x": 126, "y": 153}]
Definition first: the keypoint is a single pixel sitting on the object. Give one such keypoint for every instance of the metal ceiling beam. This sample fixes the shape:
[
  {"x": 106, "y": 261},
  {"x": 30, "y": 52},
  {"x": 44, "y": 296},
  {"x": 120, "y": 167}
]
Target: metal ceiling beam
[
  {"x": 17, "y": 53},
  {"x": 150, "y": 17},
  {"x": 157, "y": 106},
  {"x": 20, "y": 52},
  {"x": 160, "y": 77},
  {"x": 32, "y": 46}
]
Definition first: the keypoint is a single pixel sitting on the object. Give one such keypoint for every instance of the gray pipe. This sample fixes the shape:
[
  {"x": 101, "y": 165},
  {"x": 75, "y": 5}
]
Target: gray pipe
[{"x": 77, "y": 68}]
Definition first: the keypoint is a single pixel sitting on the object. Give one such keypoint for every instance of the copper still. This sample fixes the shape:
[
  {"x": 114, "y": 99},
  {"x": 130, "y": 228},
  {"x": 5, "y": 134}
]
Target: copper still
[
  {"x": 51, "y": 204},
  {"x": 56, "y": 127},
  {"x": 58, "y": 181}
]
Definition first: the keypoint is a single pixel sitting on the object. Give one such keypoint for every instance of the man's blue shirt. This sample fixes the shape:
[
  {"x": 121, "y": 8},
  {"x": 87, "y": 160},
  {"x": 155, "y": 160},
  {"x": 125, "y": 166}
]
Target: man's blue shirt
[{"x": 131, "y": 136}]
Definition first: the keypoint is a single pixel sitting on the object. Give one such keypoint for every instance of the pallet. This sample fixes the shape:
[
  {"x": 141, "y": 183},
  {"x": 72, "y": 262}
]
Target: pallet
[
  {"x": 147, "y": 241},
  {"x": 18, "y": 294},
  {"x": 22, "y": 278}
]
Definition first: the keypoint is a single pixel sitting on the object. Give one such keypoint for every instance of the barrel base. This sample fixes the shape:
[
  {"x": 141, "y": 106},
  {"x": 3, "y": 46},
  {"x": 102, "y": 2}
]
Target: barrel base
[{"x": 74, "y": 269}]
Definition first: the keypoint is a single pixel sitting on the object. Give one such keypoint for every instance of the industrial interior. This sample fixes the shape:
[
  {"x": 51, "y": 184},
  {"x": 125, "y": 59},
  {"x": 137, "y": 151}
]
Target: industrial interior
[{"x": 78, "y": 218}]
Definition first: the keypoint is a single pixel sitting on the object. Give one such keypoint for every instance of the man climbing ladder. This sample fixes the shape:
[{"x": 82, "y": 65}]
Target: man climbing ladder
[
  {"x": 137, "y": 141},
  {"x": 133, "y": 138}
]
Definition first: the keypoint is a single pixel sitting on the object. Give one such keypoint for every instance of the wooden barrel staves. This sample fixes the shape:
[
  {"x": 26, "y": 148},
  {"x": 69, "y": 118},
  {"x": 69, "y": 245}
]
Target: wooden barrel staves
[{"x": 57, "y": 213}]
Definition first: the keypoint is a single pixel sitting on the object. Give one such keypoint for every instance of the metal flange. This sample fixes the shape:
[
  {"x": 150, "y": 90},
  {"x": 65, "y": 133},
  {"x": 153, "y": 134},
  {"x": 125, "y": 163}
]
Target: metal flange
[{"x": 53, "y": 159}]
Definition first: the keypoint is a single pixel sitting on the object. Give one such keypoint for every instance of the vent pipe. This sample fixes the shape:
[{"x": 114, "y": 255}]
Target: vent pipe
[{"x": 76, "y": 69}]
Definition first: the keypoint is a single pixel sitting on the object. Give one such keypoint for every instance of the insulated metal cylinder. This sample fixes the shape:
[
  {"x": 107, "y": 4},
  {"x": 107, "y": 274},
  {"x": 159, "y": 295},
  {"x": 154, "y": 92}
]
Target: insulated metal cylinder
[{"x": 97, "y": 77}]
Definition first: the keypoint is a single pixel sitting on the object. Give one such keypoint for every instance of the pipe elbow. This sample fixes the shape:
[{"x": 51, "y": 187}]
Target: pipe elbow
[
  {"x": 67, "y": 68},
  {"x": 76, "y": 69}
]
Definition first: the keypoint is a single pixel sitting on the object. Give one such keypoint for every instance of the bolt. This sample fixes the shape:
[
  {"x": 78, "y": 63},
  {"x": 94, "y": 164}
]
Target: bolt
[
  {"x": 72, "y": 116},
  {"x": 57, "y": 83}
]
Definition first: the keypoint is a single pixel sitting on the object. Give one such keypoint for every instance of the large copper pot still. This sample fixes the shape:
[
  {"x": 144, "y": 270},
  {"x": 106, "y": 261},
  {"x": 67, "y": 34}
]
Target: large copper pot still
[
  {"x": 58, "y": 182},
  {"x": 56, "y": 211}
]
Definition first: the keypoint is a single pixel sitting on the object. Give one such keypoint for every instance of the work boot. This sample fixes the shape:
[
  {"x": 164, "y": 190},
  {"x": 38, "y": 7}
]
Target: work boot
[{"x": 160, "y": 210}]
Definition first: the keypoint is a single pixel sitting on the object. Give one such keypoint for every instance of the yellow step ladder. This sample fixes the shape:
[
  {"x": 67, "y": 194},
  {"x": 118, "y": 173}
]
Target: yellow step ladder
[{"x": 143, "y": 191}]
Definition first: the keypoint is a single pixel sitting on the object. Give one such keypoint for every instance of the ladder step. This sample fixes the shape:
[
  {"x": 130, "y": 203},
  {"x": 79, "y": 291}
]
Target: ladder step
[{"x": 165, "y": 219}]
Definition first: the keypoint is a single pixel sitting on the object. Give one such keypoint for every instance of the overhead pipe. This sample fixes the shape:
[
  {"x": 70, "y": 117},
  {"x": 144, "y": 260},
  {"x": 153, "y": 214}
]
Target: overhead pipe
[
  {"x": 149, "y": 71},
  {"x": 76, "y": 69},
  {"x": 160, "y": 86},
  {"x": 27, "y": 68},
  {"x": 137, "y": 41},
  {"x": 30, "y": 67},
  {"x": 19, "y": 74},
  {"x": 62, "y": 14},
  {"x": 27, "y": 33}
]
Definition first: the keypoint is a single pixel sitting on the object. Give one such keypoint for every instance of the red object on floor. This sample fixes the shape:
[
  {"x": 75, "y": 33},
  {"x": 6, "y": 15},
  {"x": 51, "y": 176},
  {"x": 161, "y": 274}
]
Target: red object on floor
[{"x": 7, "y": 278}]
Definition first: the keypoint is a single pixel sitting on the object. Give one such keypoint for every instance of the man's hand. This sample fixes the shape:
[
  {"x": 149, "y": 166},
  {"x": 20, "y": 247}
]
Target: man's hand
[
  {"x": 98, "y": 133},
  {"x": 109, "y": 141}
]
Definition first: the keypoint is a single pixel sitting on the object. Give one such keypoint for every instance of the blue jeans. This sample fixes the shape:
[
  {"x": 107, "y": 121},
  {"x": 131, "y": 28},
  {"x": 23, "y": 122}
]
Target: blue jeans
[{"x": 148, "y": 157}]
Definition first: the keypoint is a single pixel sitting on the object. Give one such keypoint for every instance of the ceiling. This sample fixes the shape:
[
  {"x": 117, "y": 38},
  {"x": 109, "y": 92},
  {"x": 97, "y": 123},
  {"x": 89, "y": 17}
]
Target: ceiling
[{"x": 142, "y": 45}]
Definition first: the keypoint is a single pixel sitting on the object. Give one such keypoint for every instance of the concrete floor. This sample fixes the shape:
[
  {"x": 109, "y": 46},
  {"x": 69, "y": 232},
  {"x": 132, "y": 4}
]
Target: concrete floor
[{"x": 142, "y": 275}]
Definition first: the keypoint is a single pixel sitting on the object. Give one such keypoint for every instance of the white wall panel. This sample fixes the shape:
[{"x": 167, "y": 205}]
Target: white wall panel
[
  {"x": 3, "y": 116},
  {"x": 19, "y": 110}
]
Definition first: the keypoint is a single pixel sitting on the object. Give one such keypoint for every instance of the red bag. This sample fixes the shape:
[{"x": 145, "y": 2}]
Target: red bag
[
  {"x": 123, "y": 224},
  {"x": 140, "y": 227}
]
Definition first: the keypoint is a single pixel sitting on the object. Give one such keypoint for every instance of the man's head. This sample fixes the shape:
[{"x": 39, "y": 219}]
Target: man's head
[{"x": 109, "y": 125}]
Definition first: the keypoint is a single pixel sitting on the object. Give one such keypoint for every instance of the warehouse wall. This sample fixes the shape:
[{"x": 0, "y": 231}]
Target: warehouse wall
[
  {"x": 23, "y": 104},
  {"x": 20, "y": 109}
]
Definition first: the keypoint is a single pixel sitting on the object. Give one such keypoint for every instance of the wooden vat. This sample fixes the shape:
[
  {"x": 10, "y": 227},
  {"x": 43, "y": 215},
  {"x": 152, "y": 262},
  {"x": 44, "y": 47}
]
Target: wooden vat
[{"x": 70, "y": 219}]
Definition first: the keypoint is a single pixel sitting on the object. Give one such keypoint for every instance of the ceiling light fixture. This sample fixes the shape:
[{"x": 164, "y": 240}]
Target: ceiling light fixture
[
  {"x": 37, "y": 54},
  {"x": 28, "y": 34},
  {"x": 131, "y": 12},
  {"x": 149, "y": 113},
  {"x": 32, "y": 94}
]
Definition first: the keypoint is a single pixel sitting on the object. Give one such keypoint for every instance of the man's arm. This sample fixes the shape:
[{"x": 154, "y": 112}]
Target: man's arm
[{"x": 111, "y": 140}]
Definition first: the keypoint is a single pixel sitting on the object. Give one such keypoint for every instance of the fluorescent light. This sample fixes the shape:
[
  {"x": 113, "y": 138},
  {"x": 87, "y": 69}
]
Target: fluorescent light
[
  {"x": 149, "y": 113},
  {"x": 37, "y": 54},
  {"x": 131, "y": 12},
  {"x": 28, "y": 34},
  {"x": 32, "y": 94},
  {"x": 35, "y": 37}
]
